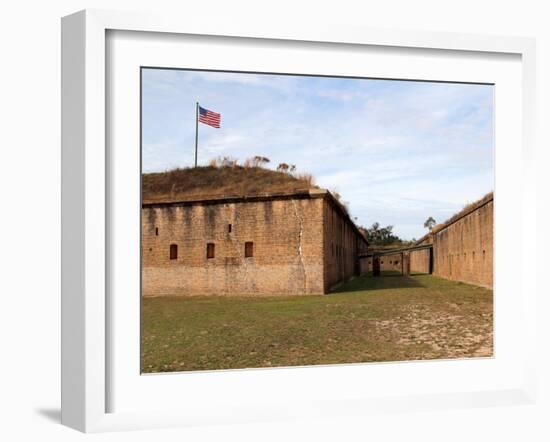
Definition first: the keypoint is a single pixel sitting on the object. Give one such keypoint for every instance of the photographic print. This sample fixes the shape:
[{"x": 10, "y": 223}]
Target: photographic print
[{"x": 299, "y": 220}]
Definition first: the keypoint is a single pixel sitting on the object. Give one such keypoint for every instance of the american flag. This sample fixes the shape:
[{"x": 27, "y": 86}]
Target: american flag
[{"x": 208, "y": 117}]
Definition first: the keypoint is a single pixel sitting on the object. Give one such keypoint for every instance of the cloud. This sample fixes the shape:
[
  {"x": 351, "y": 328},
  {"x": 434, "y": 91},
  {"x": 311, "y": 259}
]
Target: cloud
[{"x": 342, "y": 95}]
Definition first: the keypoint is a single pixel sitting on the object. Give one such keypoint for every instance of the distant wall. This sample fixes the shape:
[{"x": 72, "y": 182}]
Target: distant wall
[
  {"x": 365, "y": 265},
  {"x": 287, "y": 237},
  {"x": 387, "y": 263},
  {"x": 420, "y": 261},
  {"x": 390, "y": 263},
  {"x": 463, "y": 250}
]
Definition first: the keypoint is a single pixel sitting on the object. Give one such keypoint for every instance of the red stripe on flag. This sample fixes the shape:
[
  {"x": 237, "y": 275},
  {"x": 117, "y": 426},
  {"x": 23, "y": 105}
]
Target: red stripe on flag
[{"x": 210, "y": 118}]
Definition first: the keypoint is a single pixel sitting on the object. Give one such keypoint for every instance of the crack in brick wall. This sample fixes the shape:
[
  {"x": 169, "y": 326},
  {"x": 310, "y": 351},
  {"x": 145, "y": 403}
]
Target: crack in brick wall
[{"x": 300, "y": 234}]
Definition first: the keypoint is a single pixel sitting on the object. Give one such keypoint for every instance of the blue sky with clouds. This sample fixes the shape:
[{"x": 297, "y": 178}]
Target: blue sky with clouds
[{"x": 397, "y": 151}]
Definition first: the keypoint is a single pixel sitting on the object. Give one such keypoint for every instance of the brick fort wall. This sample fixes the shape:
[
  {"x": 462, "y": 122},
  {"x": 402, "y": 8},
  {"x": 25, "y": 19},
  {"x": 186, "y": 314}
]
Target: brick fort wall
[
  {"x": 287, "y": 238},
  {"x": 342, "y": 245},
  {"x": 463, "y": 250},
  {"x": 420, "y": 261},
  {"x": 387, "y": 263}
]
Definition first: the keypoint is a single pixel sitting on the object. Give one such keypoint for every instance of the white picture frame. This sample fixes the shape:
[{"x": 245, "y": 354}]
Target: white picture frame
[{"x": 86, "y": 206}]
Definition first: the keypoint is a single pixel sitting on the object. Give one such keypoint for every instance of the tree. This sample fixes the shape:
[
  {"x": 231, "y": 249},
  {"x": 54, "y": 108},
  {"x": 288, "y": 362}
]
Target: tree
[
  {"x": 429, "y": 223},
  {"x": 283, "y": 167},
  {"x": 381, "y": 235},
  {"x": 260, "y": 161}
]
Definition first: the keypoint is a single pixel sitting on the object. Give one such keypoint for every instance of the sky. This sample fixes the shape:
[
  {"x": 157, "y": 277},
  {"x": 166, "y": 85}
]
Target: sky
[{"x": 397, "y": 151}]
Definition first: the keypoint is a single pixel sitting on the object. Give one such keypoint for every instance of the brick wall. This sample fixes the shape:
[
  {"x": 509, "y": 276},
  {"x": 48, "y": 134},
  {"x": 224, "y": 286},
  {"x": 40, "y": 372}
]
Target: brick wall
[
  {"x": 341, "y": 247},
  {"x": 420, "y": 261},
  {"x": 365, "y": 265},
  {"x": 387, "y": 263},
  {"x": 463, "y": 250},
  {"x": 390, "y": 263},
  {"x": 288, "y": 245}
]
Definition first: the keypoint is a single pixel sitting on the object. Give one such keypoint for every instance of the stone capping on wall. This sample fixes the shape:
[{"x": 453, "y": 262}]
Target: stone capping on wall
[
  {"x": 227, "y": 199},
  {"x": 426, "y": 237}
]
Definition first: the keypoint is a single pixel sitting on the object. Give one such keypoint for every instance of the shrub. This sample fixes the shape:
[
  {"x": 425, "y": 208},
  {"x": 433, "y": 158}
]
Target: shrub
[
  {"x": 283, "y": 167},
  {"x": 307, "y": 177},
  {"x": 257, "y": 161}
]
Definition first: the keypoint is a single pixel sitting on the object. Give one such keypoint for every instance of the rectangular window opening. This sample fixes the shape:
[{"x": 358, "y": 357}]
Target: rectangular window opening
[
  {"x": 210, "y": 250},
  {"x": 248, "y": 249},
  {"x": 229, "y": 227},
  {"x": 173, "y": 251}
]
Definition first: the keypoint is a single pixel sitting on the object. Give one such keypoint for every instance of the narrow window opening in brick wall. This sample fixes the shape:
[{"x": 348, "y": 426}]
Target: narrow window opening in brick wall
[
  {"x": 382, "y": 262},
  {"x": 173, "y": 251},
  {"x": 156, "y": 231},
  {"x": 484, "y": 254},
  {"x": 396, "y": 263},
  {"x": 210, "y": 250},
  {"x": 229, "y": 227},
  {"x": 248, "y": 249}
]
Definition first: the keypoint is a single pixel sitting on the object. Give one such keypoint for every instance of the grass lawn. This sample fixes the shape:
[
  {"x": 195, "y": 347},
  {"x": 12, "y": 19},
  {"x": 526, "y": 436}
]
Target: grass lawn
[{"x": 391, "y": 318}]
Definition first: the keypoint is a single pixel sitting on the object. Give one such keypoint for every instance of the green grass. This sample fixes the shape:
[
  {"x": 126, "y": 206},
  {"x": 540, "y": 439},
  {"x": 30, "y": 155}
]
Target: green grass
[{"x": 390, "y": 318}]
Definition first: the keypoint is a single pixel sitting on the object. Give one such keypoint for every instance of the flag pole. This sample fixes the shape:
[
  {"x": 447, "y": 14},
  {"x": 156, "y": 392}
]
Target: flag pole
[{"x": 196, "y": 132}]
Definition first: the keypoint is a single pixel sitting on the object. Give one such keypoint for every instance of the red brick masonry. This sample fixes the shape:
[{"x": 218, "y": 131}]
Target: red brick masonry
[
  {"x": 463, "y": 246},
  {"x": 301, "y": 243}
]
